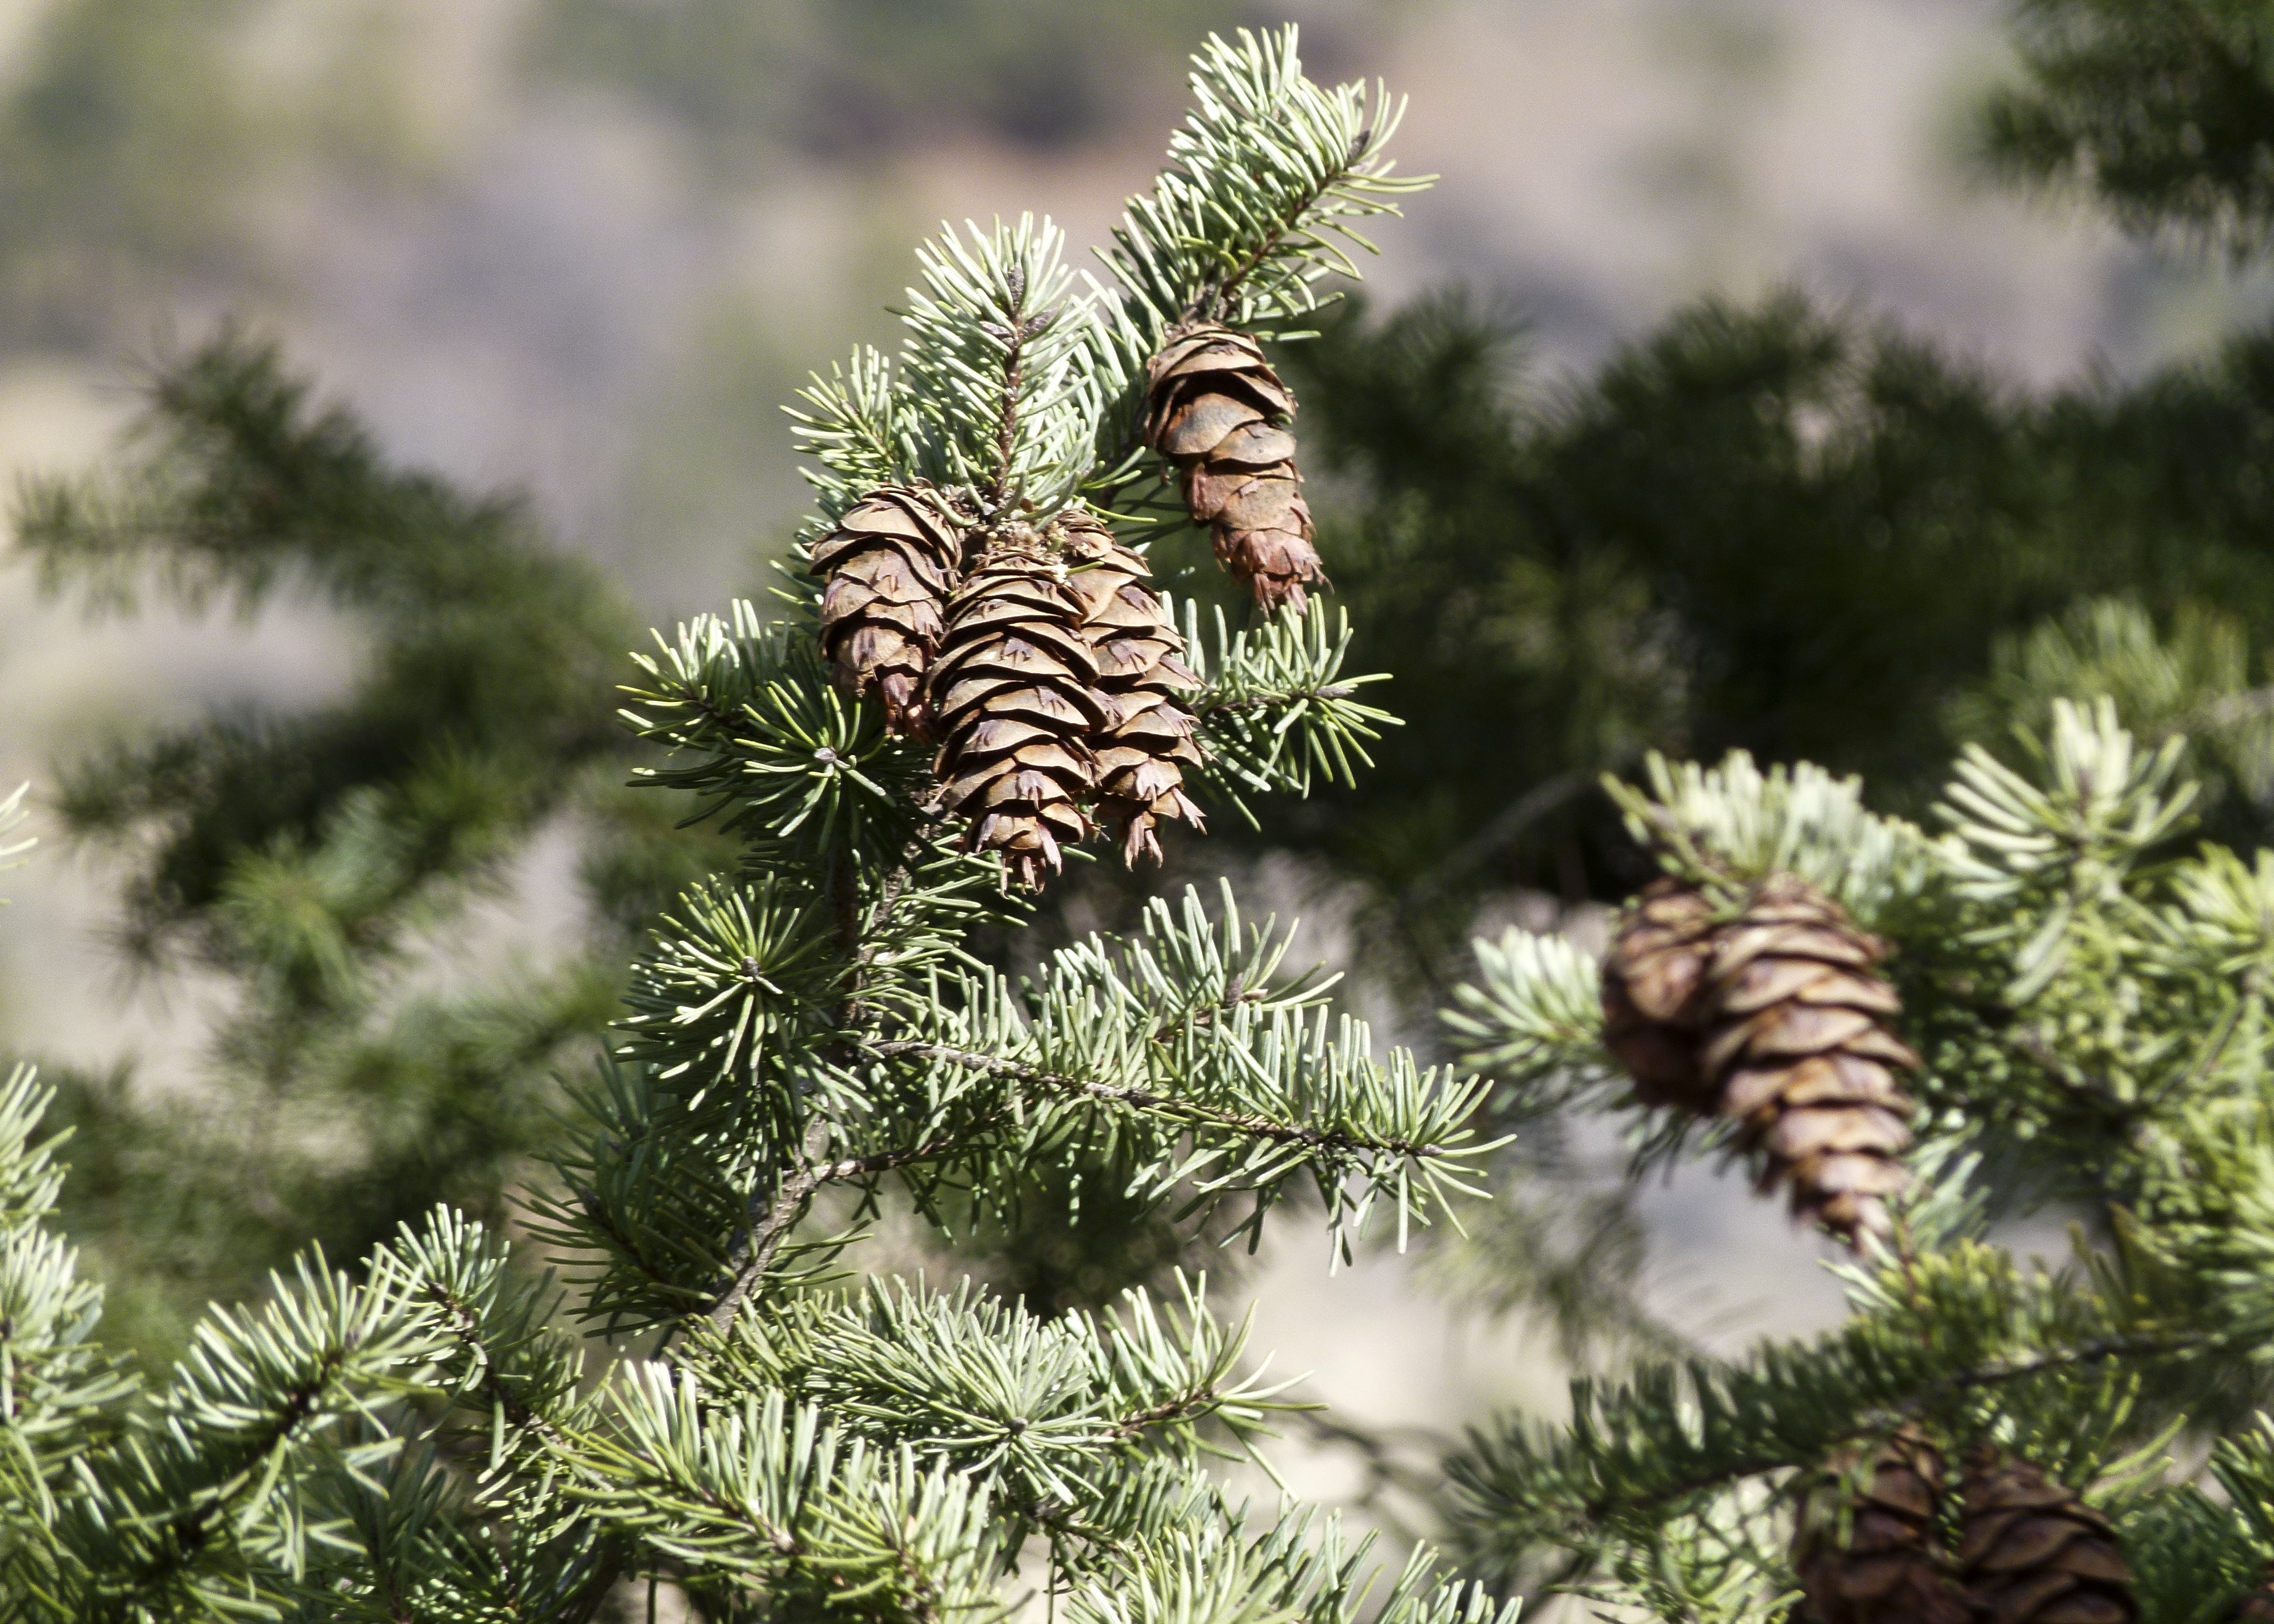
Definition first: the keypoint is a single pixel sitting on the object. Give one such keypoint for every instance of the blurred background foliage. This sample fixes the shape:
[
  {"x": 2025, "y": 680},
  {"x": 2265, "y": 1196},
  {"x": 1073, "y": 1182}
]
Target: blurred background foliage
[{"x": 1684, "y": 418}]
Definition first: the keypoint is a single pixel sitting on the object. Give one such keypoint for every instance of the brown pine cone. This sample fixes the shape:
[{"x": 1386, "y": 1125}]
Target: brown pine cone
[
  {"x": 1799, "y": 1055},
  {"x": 1891, "y": 1571},
  {"x": 1654, "y": 1014},
  {"x": 1013, "y": 695},
  {"x": 891, "y": 563},
  {"x": 1148, "y": 733},
  {"x": 1215, "y": 409},
  {"x": 2032, "y": 1552}
]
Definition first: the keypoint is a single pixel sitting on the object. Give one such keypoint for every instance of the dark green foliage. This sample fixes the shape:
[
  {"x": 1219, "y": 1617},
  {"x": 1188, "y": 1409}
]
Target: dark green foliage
[
  {"x": 1775, "y": 529},
  {"x": 317, "y": 857},
  {"x": 2161, "y": 109}
]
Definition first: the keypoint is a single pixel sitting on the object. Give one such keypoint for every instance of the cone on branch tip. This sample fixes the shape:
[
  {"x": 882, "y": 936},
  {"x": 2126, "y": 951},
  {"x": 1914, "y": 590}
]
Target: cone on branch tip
[
  {"x": 2031, "y": 1553},
  {"x": 1889, "y": 1569},
  {"x": 1776, "y": 1018},
  {"x": 1148, "y": 736},
  {"x": 1216, "y": 410},
  {"x": 890, "y": 564},
  {"x": 1013, "y": 700}
]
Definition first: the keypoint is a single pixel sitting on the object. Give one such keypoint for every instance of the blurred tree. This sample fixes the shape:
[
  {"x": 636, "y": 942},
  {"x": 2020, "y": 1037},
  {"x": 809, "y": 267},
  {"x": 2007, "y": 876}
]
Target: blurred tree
[
  {"x": 2163, "y": 109},
  {"x": 321, "y": 860},
  {"x": 850, "y": 78},
  {"x": 1776, "y": 527}
]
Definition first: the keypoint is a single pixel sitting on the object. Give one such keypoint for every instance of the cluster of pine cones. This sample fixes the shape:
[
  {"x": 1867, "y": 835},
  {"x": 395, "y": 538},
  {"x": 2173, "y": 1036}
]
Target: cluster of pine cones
[
  {"x": 1771, "y": 1014},
  {"x": 1035, "y": 654},
  {"x": 2029, "y": 1551},
  {"x": 1044, "y": 667}
]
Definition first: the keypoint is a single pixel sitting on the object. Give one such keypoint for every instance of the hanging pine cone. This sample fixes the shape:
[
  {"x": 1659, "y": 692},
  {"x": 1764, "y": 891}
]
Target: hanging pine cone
[
  {"x": 1890, "y": 1571},
  {"x": 890, "y": 563},
  {"x": 1013, "y": 696},
  {"x": 1800, "y": 1057},
  {"x": 1148, "y": 737},
  {"x": 2032, "y": 1552},
  {"x": 1653, "y": 1021},
  {"x": 1215, "y": 409},
  {"x": 1776, "y": 1019}
]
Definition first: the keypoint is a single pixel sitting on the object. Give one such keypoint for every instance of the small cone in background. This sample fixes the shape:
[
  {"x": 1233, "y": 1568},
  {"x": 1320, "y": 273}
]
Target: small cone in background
[
  {"x": 1148, "y": 739},
  {"x": 1799, "y": 1054},
  {"x": 2031, "y": 1553},
  {"x": 890, "y": 564},
  {"x": 1653, "y": 1017},
  {"x": 1215, "y": 409},
  {"x": 1890, "y": 1570},
  {"x": 1013, "y": 700}
]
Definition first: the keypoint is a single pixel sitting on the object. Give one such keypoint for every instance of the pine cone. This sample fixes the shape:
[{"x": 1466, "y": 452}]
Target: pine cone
[
  {"x": 1013, "y": 697},
  {"x": 1776, "y": 1019},
  {"x": 1799, "y": 1056},
  {"x": 1891, "y": 1570},
  {"x": 1653, "y": 1017},
  {"x": 890, "y": 563},
  {"x": 1147, "y": 733},
  {"x": 2032, "y": 1552},
  {"x": 1214, "y": 408}
]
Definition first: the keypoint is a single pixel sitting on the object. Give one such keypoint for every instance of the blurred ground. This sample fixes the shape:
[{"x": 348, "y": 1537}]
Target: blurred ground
[{"x": 587, "y": 247}]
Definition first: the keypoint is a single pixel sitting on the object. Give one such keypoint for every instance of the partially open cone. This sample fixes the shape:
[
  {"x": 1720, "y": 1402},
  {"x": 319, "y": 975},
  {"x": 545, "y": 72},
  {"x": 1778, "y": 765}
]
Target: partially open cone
[
  {"x": 1148, "y": 737},
  {"x": 1801, "y": 1058},
  {"x": 1775, "y": 1017},
  {"x": 1013, "y": 695},
  {"x": 1890, "y": 1569},
  {"x": 890, "y": 564},
  {"x": 2031, "y": 1553},
  {"x": 1216, "y": 410}
]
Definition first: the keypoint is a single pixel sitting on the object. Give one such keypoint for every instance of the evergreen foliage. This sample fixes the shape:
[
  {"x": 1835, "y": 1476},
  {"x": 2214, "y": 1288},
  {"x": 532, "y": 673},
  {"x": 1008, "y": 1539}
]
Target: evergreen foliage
[
  {"x": 312, "y": 857},
  {"x": 1758, "y": 528},
  {"x": 803, "y": 1032},
  {"x": 2088, "y": 1000},
  {"x": 2165, "y": 113}
]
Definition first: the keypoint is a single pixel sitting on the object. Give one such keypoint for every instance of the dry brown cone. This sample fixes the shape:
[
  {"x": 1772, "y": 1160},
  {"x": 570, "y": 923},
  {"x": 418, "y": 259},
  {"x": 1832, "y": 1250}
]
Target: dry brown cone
[
  {"x": 1215, "y": 409},
  {"x": 1013, "y": 699},
  {"x": 1654, "y": 1014},
  {"x": 890, "y": 563},
  {"x": 1777, "y": 1019},
  {"x": 1891, "y": 1570},
  {"x": 2031, "y": 1553},
  {"x": 1800, "y": 1057},
  {"x": 1148, "y": 740}
]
